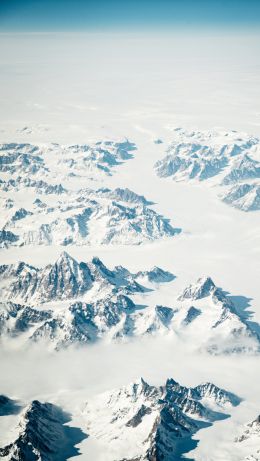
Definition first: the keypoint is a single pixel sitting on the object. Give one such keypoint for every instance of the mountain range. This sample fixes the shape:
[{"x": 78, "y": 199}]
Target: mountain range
[
  {"x": 136, "y": 422},
  {"x": 47, "y": 160},
  {"x": 228, "y": 158},
  {"x": 83, "y": 217},
  {"x": 71, "y": 302}
]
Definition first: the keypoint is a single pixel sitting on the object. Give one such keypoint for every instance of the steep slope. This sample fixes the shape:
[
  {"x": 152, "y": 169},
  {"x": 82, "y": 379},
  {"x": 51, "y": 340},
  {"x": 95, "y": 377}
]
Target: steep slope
[
  {"x": 8, "y": 406},
  {"x": 42, "y": 435}
]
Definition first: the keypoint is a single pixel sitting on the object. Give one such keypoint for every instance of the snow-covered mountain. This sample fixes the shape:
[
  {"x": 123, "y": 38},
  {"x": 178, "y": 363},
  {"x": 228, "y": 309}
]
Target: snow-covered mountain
[
  {"x": 65, "y": 279},
  {"x": 244, "y": 196},
  {"x": 101, "y": 307},
  {"x": 66, "y": 213},
  {"x": 42, "y": 435},
  {"x": 111, "y": 317},
  {"x": 209, "y": 318},
  {"x": 76, "y": 303},
  {"x": 22, "y": 184},
  {"x": 243, "y": 168},
  {"x": 45, "y": 198},
  {"x": 144, "y": 422},
  {"x": 83, "y": 217},
  {"x": 252, "y": 430},
  {"x": 136, "y": 422},
  {"x": 21, "y": 158},
  {"x": 231, "y": 158},
  {"x": 250, "y": 440},
  {"x": 87, "y": 160},
  {"x": 203, "y": 154}
]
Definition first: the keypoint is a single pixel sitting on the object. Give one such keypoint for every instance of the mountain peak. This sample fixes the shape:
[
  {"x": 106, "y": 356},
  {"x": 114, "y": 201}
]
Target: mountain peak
[
  {"x": 201, "y": 289},
  {"x": 64, "y": 256},
  {"x": 171, "y": 382},
  {"x": 206, "y": 281},
  {"x": 97, "y": 261},
  {"x": 141, "y": 381},
  {"x": 220, "y": 396},
  {"x": 141, "y": 387}
]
